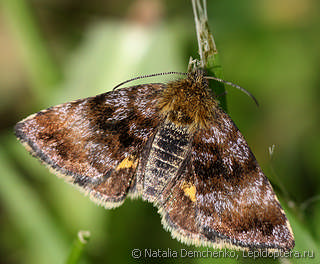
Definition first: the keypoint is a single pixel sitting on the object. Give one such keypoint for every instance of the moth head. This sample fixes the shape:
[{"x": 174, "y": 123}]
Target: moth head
[{"x": 188, "y": 101}]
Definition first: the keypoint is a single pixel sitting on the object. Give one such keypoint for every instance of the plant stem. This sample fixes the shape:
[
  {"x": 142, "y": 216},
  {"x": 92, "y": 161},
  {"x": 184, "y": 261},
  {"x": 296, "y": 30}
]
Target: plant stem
[
  {"x": 77, "y": 247},
  {"x": 209, "y": 59}
]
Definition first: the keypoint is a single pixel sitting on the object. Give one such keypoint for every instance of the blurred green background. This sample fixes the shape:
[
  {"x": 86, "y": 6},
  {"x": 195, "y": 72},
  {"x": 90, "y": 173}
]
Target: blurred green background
[{"x": 54, "y": 51}]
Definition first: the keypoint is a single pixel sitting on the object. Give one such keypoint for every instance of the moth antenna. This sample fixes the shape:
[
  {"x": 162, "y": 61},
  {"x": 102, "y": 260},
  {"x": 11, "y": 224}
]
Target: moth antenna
[
  {"x": 147, "y": 76},
  {"x": 234, "y": 85}
]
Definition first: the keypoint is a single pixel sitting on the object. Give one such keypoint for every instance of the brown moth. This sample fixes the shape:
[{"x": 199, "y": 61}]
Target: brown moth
[{"x": 171, "y": 145}]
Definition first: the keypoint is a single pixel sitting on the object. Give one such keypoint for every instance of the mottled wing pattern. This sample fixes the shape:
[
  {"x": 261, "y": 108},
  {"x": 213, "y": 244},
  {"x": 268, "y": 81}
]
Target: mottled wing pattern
[
  {"x": 95, "y": 142},
  {"x": 179, "y": 209},
  {"x": 222, "y": 198}
]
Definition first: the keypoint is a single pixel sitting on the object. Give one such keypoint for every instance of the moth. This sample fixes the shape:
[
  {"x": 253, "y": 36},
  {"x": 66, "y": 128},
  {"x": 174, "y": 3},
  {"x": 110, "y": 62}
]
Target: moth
[{"x": 169, "y": 144}]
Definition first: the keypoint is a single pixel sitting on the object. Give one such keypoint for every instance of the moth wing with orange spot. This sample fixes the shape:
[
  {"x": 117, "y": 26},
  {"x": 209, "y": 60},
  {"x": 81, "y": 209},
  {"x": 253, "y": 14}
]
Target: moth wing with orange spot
[
  {"x": 95, "y": 142},
  {"x": 221, "y": 196}
]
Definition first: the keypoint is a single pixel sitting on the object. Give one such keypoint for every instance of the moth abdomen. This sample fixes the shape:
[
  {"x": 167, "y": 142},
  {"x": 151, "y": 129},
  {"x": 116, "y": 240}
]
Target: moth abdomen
[{"x": 168, "y": 151}]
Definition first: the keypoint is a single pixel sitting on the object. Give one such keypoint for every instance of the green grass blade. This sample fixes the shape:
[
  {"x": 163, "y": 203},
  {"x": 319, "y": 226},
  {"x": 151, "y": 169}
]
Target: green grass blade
[
  {"x": 42, "y": 70},
  {"x": 27, "y": 213}
]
